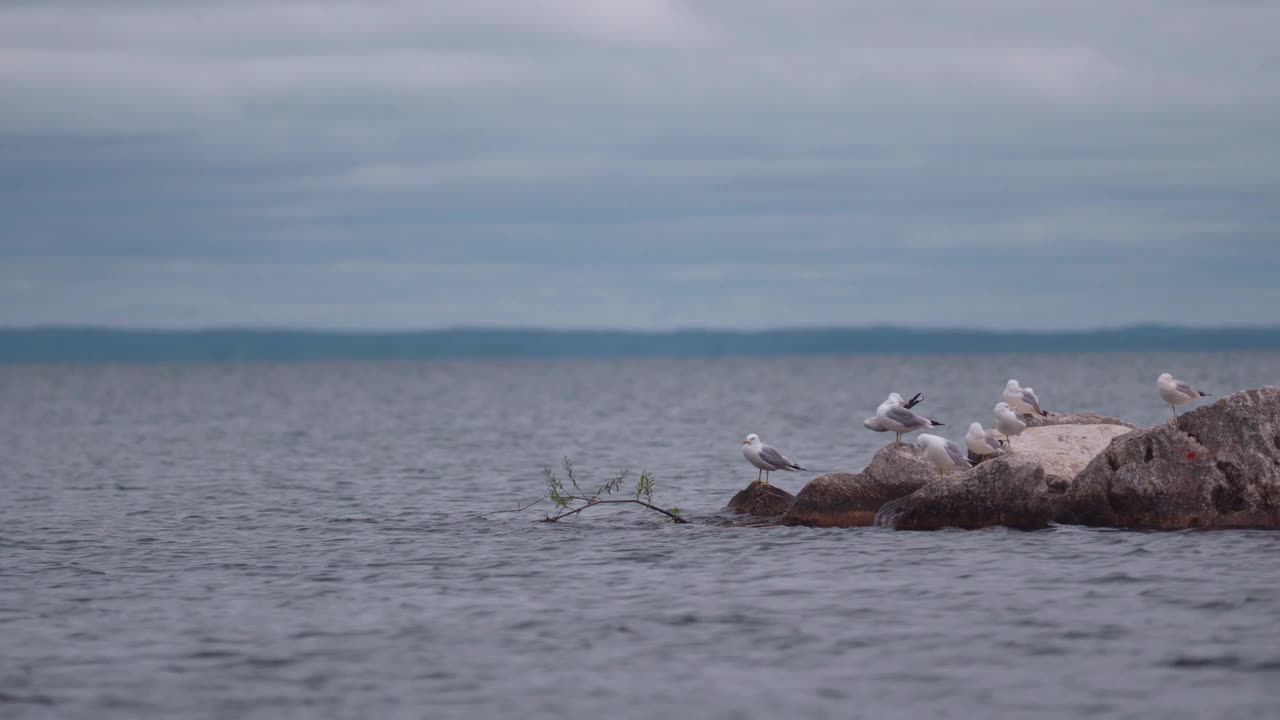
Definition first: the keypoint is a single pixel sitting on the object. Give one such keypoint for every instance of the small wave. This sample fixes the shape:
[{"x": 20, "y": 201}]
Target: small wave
[
  {"x": 1187, "y": 662},
  {"x": 15, "y": 699}
]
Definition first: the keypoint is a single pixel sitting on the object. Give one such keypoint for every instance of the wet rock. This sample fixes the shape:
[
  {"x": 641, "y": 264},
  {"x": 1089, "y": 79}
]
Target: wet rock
[
  {"x": 1217, "y": 467},
  {"x": 1009, "y": 491},
  {"x": 761, "y": 500},
  {"x": 1065, "y": 450},
  {"x": 1082, "y": 418},
  {"x": 852, "y": 499}
]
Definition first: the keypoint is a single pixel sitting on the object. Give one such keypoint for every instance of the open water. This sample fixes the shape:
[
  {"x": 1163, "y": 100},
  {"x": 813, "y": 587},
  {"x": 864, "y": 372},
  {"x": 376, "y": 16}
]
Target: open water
[{"x": 311, "y": 540}]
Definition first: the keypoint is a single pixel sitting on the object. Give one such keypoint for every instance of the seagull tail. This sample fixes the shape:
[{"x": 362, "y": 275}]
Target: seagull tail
[
  {"x": 1204, "y": 394},
  {"x": 914, "y": 401},
  {"x": 935, "y": 423},
  {"x": 794, "y": 467}
]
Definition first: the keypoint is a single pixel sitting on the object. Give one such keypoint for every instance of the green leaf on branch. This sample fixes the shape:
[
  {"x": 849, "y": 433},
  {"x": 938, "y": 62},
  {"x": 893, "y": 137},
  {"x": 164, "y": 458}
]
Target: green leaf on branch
[{"x": 570, "y": 499}]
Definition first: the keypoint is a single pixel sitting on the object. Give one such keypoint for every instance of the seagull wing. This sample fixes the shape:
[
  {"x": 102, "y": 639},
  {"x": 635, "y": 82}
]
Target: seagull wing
[
  {"x": 993, "y": 440},
  {"x": 1029, "y": 397},
  {"x": 903, "y": 416},
  {"x": 770, "y": 454},
  {"x": 957, "y": 457},
  {"x": 1186, "y": 389}
]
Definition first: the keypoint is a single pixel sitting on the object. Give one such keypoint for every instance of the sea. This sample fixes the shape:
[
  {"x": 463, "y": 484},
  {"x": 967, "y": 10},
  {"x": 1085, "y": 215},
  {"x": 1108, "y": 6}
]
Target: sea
[{"x": 341, "y": 540}]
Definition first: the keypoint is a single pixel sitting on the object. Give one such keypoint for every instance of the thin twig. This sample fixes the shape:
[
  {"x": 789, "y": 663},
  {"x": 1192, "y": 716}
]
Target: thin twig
[
  {"x": 589, "y": 502},
  {"x": 522, "y": 508}
]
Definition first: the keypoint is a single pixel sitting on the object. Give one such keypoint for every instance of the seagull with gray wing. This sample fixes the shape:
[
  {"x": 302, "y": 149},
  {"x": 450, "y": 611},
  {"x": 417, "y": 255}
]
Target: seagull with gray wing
[
  {"x": 898, "y": 418},
  {"x": 765, "y": 457},
  {"x": 982, "y": 442},
  {"x": 1008, "y": 423},
  {"x": 943, "y": 453},
  {"x": 1022, "y": 399},
  {"x": 875, "y": 424},
  {"x": 1175, "y": 392}
]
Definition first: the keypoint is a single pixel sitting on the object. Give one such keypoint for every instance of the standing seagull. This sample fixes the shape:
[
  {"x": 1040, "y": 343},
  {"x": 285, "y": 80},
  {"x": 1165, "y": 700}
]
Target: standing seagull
[
  {"x": 1022, "y": 399},
  {"x": 1175, "y": 392},
  {"x": 875, "y": 424},
  {"x": 1008, "y": 423},
  {"x": 765, "y": 457},
  {"x": 981, "y": 442},
  {"x": 896, "y": 417},
  {"x": 944, "y": 453}
]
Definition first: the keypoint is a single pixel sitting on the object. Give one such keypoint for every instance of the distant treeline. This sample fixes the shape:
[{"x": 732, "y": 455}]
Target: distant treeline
[{"x": 89, "y": 345}]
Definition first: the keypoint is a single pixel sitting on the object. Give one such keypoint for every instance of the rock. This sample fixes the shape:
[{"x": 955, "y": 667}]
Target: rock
[
  {"x": 1065, "y": 450},
  {"x": 852, "y": 499},
  {"x": 1084, "y": 418},
  {"x": 902, "y": 466},
  {"x": 1217, "y": 467},
  {"x": 1009, "y": 490},
  {"x": 761, "y": 500}
]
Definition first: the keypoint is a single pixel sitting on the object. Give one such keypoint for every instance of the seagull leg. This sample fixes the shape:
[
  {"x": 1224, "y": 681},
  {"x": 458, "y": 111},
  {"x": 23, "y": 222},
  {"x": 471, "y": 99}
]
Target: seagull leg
[
  {"x": 1174, "y": 408},
  {"x": 897, "y": 440},
  {"x": 759, "y": 472},
  {"x": 766, "y": 477}
]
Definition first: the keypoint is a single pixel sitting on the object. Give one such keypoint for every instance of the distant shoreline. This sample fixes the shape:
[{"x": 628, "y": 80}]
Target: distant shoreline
[{"x": 111, "y": 345}]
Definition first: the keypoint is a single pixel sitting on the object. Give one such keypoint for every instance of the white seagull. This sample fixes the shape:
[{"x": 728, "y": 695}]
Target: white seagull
[
  {"x": 875, "y": 424},
  {"x": 1008, "y": 423},
  {"x": 1175, "y": 392},
  {"x": 899, "y": 419},
  {"x": 765, "y": 457},
  {"x": 1022, "y": 399},
  {"x": 944, "y": 453},
  {"x": 982, "y": 442}
]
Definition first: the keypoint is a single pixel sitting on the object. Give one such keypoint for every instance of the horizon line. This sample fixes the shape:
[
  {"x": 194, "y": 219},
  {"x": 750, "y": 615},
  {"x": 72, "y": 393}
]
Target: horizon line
[{"x": 59, "y": 327}]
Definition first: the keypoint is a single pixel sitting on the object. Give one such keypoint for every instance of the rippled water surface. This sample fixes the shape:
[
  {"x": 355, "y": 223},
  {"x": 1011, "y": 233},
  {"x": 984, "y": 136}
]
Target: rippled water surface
[{"x": 308, "y": 541}]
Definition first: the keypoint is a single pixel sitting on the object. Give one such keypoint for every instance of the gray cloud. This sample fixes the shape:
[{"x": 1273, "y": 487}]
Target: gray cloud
[{"x": 638, "y": 164}]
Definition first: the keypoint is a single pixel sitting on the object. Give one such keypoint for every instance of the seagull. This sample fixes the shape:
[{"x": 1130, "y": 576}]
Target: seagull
[
  {"x": 1022, "y": 399},
  {"x": 982, "y": 442},
  {"x": 1007, "y": 422},
  {"x": 875, "y": 424},
  {"x": 1175, "y": 392},
  {"x": 895, "y": 416},
  {"x": 944, "y": 453},
  {"x": 765, "y": 457}
]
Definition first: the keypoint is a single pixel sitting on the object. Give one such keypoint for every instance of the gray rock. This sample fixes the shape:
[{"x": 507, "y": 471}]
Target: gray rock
[
  {"x": 1009, "y": 490},
  {"x": 1217, "y": 467},
  {"x": 1065, "y": 450},
  {"x": 852, "y": 499},
  {"x": 1082, "y": 418},
  {"x": 761, "y": 500}
]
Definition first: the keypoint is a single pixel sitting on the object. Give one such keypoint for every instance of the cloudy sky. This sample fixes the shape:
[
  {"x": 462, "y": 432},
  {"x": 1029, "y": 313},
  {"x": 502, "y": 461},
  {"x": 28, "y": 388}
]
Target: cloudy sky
[{"x": 639, "y": 163}]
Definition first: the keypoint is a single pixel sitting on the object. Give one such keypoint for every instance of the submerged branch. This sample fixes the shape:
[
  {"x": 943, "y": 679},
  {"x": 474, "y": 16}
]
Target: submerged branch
[
  {"x": 521, "y": 508},
  {"x": 571, "y": 499},
  {"x": 589, "y": 502}
]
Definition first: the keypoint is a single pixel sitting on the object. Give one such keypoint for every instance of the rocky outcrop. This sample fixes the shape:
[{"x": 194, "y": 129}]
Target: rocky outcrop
[
  {"x": 1065, "y": 450},
  {"x": 1216, "y": 467},
  {"x": 852, "y": 499},
  {"x": 1009, "y": 491},
  {"x": 761, "y": 500},
  {"x": 1084, "y": 418}
]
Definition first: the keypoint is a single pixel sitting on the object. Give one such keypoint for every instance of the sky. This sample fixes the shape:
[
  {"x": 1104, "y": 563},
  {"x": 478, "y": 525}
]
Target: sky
[{"x": 639, "y": 164}]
